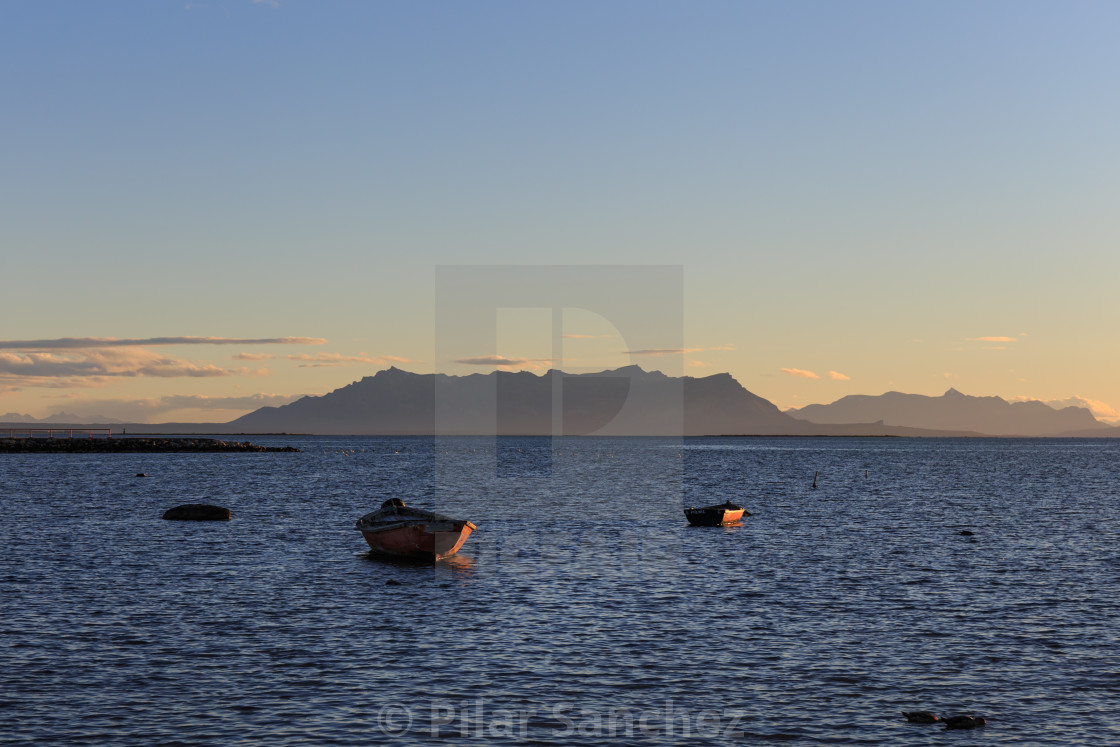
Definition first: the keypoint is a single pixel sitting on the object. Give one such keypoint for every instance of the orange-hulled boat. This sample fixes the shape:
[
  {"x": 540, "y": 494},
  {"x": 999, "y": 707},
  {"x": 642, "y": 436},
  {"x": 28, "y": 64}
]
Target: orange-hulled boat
[
  {"x": 714, "y": 516},
  {"x": 413, "y": 533}
]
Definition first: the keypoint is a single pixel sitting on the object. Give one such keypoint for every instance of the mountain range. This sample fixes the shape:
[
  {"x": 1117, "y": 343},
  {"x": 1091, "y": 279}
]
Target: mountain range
[
  {"x": 954, "y": 411},
  {"x": 624, "y": 401}
]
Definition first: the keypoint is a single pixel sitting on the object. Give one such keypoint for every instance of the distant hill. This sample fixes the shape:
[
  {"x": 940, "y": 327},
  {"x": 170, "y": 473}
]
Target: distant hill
[
  {"x": 625, "y": 401},
  {"x": 955, "y": 411}
]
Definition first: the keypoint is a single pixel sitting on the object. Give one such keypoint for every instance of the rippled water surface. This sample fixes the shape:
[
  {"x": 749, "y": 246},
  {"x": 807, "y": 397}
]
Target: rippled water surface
[{"x": 583, "y": 606}]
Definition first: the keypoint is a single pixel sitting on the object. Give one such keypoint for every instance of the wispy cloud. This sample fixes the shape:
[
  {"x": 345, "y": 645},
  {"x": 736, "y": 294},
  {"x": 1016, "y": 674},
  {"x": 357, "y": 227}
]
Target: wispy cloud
[
  {"x": 11, "y": 383},
  {"x": 838, "y": 376},
  {"x": 78, "y": 343},
  {"x": 723, "y": 347},
  {"x": 254, "y": 357},
  {"x": 659, "y": 352},
  {"x": 506, "y": 362},
  {"x": 107, "y": 362},
  {"x": 800, "y": 373},
  {"x": 320, "y": 360},
  {"x": 501, "y": 361},
  {"x": 993, "y": 339}
]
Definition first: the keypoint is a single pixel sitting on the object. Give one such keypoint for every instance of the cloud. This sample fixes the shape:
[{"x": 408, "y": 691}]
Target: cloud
[
  {"x": 993, "y": 339},
  {"x": 107, "y": 362},
  {"x": 1101, "y": 410},
  {"x": 16, "y": 383},
  {"x": 800, "y": 372},
  {"x": 254, "y": 357},
  {"x": 501, "y": 361},
  {"x": 838, "y": 376},
  {"x": 658, "y": 352},
  {"x": 723, "y": 347},
  {"x": 323, "y": 360},
  {"x": 696, "y": 364},
  {"x": 77, "y": 343}
]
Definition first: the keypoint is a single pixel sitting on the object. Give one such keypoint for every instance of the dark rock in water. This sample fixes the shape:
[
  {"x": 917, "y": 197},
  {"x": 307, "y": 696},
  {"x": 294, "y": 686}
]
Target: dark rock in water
[
  {"x": 141, "y": 474},
  {"x": 197, "y": 512},
  {"x": 966, "y": 533},
  {"x": 964, "y": 722},
  {"x": 393, "y": 582},
  {"x": 920, "y": 717}
]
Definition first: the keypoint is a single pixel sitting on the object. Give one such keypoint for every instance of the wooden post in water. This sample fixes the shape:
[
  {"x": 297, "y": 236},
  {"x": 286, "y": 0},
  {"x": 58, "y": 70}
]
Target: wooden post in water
[{"x": 815, "y": 480}]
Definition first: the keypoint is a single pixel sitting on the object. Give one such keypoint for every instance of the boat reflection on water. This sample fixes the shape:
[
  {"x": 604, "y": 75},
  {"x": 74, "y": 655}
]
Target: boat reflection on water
[{"x": 455, "y": 562}]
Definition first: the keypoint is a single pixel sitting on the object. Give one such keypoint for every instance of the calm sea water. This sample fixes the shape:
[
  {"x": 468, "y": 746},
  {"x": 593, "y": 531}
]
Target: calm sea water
[{"x": 583, "y": 607}]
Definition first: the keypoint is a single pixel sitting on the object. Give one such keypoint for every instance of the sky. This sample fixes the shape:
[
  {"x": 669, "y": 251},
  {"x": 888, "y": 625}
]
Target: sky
[{"x": 210, "y": 206}]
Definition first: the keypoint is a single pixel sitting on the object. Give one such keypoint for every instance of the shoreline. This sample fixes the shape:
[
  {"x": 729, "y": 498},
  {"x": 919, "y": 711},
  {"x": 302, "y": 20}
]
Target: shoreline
[{"x": 131, "y": 445}]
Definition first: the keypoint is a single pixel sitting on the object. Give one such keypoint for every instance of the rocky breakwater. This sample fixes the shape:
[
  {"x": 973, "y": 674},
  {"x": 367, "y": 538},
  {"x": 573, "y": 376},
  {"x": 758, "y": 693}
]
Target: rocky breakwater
[{"x": 128, "y": 445}]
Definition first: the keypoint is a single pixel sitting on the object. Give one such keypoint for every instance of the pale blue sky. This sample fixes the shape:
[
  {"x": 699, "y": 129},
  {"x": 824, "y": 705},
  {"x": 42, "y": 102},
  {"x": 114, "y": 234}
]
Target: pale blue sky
[{"x": 861, "y": 187}]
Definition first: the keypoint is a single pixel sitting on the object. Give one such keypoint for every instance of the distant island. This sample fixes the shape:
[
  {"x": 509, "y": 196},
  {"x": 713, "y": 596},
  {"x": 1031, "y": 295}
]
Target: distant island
[
  {"x": 630, "y": 401},
  {"x": 955, "y": 411}
]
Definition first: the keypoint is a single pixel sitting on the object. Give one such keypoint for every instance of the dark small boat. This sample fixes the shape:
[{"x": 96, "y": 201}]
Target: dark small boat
[
  {"x": 404, "y": 532},
  {"x": 714, "y": 516}
]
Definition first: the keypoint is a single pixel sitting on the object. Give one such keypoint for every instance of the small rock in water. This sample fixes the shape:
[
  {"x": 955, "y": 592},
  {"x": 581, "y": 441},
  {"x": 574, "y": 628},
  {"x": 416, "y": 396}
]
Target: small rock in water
[
  {"x": 966, "y": 533},
  {"x": 964, "y": 722},
  {"x": 393, "y": 582},
  {"x": 141, "y": 474},
  {"x": 920, "y": 717},
  {"x": 197, "y": 512}
]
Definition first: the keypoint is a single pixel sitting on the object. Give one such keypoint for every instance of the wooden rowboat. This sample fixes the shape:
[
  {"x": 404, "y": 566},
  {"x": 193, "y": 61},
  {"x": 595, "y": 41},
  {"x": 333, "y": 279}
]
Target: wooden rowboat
[
  {"x": 714, "y": 516},
  {"x": 398, "y": 531}
]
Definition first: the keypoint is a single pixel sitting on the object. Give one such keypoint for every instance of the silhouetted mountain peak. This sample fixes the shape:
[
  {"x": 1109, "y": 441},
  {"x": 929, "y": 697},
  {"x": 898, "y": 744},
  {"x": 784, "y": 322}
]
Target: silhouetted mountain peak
[
  {"x": 392, "y": 372},
  {"x": 625, "y": 401},
  {"x": 952, "y": 411}
]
